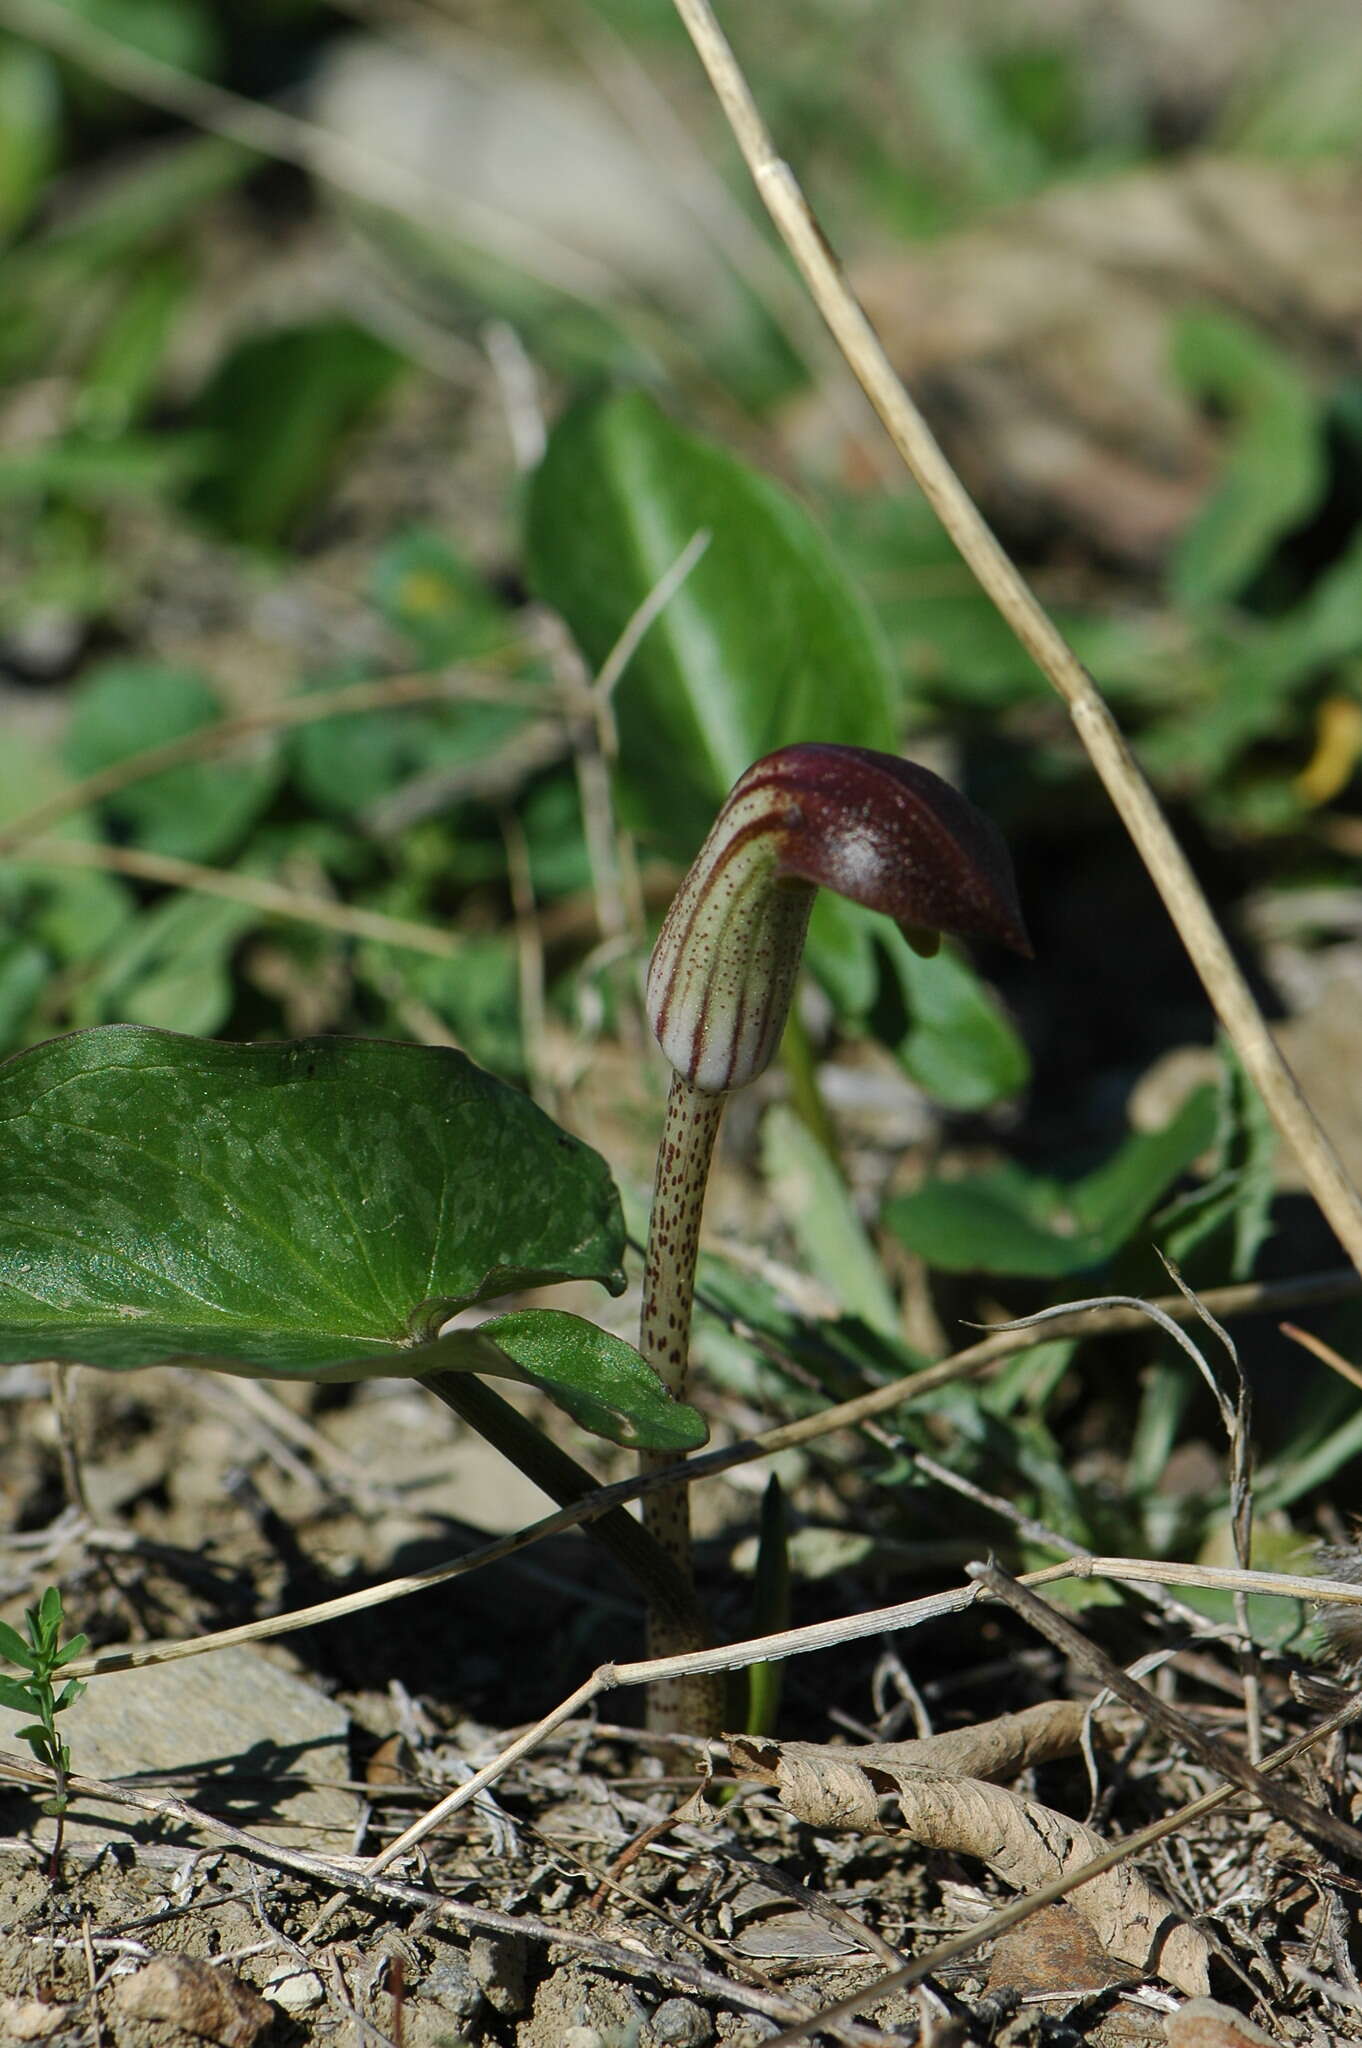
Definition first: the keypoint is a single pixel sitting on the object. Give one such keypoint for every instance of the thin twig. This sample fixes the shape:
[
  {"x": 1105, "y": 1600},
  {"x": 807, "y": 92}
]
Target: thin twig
[
  {"x": 1003, "y": 584},
  {"x": 826, "y": 1635},
  {"x": 1220, "y": 1578},
  {"x": 1237, "y": 1420},
  {"x": 529, "y": 954},
  {"x": 497, "y": 777},
  {"x": 68, "y": 1438},
  {"x": 1028, "y": 1527},
  {"x": 821, "y": 1635},
  {"x": 614, "y": 860},
  {"x": 343, "y": 1473},
  {"x": 1326, "y": 1353},
  {"x": 645, "y": 615}
]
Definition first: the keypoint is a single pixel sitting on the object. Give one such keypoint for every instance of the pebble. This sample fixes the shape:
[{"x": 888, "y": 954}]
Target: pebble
[
  {"x": 452, "y": 1985},
  {"x": 498, "y": 1963},
  {"x": 678, "y": 2023},
  {"x": 1205, "y": 2023},
  {"x": 292, "y": 1988},
  {"x": 207, "y": 1715},
  {"x": 31, "y": 2019},
  {"x": 189, "y": 1994}
]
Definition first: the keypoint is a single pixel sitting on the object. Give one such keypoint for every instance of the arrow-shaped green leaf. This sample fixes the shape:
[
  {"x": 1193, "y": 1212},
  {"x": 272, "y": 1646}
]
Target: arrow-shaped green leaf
[{"x": 308, "y": 1210}]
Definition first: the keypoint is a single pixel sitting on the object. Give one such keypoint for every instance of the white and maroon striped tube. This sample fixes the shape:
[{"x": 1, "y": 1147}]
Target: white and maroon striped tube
[{"x": 884, "y": 832}]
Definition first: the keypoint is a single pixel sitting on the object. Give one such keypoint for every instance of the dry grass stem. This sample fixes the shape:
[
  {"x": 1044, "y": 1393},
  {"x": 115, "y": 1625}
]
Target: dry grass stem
[
  {"x": 1001, "y": 581},
  {"x": 531, "y": 980},
  {"x": 1244, "y": 1299},
  {"x": 614, "y": 861},
  {"x": 1326, "y": 1353},
  {"x": 492, "y": 778},
  {"x": 826, "y": 1635},
  {"x": 61, "y": 1379},
  {"x": 643, "y": 617},
  {"x": 233, "y": 887},
  {"x": 1222, "y": 1578}
]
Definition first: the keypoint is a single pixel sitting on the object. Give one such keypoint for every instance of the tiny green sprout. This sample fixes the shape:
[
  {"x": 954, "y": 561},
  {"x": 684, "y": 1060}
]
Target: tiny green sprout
[
  {"x": 884, "y": 833},
  {"x": 41, "y": 1656}
]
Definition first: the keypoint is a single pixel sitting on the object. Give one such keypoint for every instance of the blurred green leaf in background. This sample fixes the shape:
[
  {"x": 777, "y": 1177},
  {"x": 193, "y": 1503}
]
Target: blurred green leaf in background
[{"x": 764, "y": 643}]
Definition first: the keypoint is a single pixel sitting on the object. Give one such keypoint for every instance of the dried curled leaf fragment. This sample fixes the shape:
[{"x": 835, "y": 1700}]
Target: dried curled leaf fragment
[{"x": 881, "y": 1787}]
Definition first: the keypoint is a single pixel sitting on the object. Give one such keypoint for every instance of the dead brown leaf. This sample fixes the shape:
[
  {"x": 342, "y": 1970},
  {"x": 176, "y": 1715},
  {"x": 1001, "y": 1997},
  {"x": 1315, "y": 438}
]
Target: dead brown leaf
[
  {"x": 1012, "y": 1743},
  {"x": 1022, "y": 1842},
  {"x": 1055, "y": 1950}
]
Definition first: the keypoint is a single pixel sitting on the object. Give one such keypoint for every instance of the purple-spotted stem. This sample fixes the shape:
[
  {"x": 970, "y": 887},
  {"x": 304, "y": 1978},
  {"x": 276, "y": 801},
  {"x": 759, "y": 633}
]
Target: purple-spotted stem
[{"x": 883, "y": 832}]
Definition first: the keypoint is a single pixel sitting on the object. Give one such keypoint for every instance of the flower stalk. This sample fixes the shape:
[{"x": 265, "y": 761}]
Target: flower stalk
[{"x": 883, "y": 832}]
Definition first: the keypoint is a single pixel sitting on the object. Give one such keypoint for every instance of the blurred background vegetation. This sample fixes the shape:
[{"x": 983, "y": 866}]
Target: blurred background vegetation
[{"x": 290, "y": 295}]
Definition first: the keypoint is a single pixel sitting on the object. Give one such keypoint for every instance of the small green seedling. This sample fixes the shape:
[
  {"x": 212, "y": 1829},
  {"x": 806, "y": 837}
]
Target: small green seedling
[{"x": 42, "y": 1657}]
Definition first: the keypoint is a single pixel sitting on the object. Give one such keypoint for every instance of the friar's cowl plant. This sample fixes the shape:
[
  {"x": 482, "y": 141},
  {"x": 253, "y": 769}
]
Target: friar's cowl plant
[
  {"x": 331, "y": 1208},
  {"x": 885, "y": 833}
]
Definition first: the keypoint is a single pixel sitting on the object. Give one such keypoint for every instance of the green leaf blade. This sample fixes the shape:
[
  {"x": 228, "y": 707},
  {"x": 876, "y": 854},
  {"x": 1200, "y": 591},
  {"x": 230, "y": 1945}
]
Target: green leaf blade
[
  {"x": 764, "y": 643},
  {"x": 14, "y": 1648},
  {"x": 958, "y": 1046},
  {"x": 602, "y": 1382},
  {"x": 199, "y": 811},
  {"x": 1274, "y": 471},
  {"x": 1006, "y": 1220},
  {"x": 1120, "y": 1194},
  {"x": 987, "y": 1223},
  {"x": 313, "y": 1207}
]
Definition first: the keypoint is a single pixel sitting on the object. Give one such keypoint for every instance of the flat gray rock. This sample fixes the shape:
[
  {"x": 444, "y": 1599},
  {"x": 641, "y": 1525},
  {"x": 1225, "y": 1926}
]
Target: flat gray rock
[{"x": 220, "y": 1732}]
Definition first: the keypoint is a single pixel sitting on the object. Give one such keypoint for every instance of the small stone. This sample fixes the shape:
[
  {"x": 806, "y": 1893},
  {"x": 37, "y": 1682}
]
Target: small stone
[
  {"x": 747, "y": 2028},
  {"x": 205, "y": 1718},
  {"x": 498, "y": 1963},
  {"x": 452, "y": 1985},
  {"x": 30, "y": 2019},
  {"x": 584, "y": 2037},
  {"x": 1205, "y": 2023},
  {"x": 191, "y": 1995},
  {"x": 292, "y": 1988},
  {"x": 678, "y": 2023}
]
